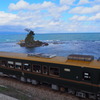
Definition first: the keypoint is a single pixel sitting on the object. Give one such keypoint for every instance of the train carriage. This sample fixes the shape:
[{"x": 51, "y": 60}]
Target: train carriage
[{"x": 76, "y": 74}]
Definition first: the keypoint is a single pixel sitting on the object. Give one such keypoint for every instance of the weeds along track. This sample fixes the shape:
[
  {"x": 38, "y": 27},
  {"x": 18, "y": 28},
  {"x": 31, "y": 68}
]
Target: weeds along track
[{"x": 27, "y": 91}]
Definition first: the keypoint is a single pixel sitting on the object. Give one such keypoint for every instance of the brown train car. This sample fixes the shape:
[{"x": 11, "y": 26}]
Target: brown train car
[{"x": 76, "y": 74}]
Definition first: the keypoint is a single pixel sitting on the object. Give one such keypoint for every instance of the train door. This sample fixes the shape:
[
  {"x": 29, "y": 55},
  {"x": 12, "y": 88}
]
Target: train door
[{"x": 87, "y": 80}]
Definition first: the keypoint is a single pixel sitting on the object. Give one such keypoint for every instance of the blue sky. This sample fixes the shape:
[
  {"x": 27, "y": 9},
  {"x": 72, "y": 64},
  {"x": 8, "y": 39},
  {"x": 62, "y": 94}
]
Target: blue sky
[{"x": 50, "y": 16}]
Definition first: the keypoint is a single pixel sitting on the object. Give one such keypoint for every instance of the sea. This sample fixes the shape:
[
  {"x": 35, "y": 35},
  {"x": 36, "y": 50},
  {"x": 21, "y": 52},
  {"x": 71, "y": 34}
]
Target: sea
[{"x": 60, "y": 44}]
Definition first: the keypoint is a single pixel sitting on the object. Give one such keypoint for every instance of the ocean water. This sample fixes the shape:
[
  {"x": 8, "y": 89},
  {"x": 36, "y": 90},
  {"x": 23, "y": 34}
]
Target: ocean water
[{"x": 61, "y": 44}]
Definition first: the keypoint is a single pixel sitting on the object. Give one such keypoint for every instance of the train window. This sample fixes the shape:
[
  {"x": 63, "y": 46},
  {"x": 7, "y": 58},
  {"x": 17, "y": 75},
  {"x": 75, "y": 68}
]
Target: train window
[
  {"x": 54, "y": 71},
  {"x": 45, "y": 69},
  {"x": 86, "y": 76},
  {"x": 11, "y": 64},
  {"x": 37, "y": 68},
  {"x": 0, "y": 62},
  {"x": 18, "y": 65},
  {"x": 27, "y": 67},
  {"x": 3, "y": 63}
]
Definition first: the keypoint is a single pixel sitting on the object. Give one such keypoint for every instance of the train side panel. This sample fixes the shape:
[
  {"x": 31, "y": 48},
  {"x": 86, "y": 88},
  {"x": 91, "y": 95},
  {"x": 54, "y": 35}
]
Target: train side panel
[{"x": 79, "y": 78}]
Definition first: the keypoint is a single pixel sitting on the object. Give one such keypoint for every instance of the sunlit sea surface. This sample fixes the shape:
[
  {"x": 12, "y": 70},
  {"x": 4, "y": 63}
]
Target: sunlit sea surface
[{"x": 61, "y": 44}]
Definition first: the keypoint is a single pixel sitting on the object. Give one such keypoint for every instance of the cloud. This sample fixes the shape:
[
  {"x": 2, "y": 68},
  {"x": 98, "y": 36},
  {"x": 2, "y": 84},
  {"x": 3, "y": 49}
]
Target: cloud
[
  {"x": 79, "y": 18},
  {"x": 81, "y": 2},
  {"x": 97, "y": 1},
  {"x": 56, "y": 12},
  {"x": 92, "y": 2},
  {"x": 23, "y": 5},
  {"x": 96, "y": 17},
  {"x": 11, "y": 28},
  {"x": 6, "y": 18},
  {"x": 49, "y": 17},
  {"x": 85, "y": 10},
  {"x": 50, "y": 8},
  {"x": 39, "y": 23},
  {"x": 40, "y": 6},
  {"x": 36, "y": 21},
  {"x": 67, "y": 2},
  {"x": 19, "y": 5}
]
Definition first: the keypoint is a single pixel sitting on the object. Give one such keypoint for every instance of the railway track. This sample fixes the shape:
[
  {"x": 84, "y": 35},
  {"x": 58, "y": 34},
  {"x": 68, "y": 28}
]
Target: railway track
[{"x": 38, "y": 92}]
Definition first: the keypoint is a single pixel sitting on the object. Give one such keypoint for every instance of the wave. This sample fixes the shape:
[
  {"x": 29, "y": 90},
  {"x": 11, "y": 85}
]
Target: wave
[
  {"x": 56, "y": 41},
  {"x": 67, "y": 42},
  {"x": 60, "y": 48}
]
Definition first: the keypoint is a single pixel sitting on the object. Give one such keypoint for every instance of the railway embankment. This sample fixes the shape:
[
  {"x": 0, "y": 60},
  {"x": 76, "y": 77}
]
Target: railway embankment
[{"x": 25, "y": 91}]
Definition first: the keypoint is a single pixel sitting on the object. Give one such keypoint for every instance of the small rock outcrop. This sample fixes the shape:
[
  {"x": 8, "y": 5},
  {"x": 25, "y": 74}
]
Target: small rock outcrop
[{"x": 30, "y": 42}]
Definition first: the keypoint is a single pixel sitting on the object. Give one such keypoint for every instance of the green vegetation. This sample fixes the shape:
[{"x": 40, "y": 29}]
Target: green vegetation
[
  {"x": 30, "y": 42},
  {"x": 10, "y": 91},
  {"x": 3, "y": 89},
  {"x": 30, "y": 38}
]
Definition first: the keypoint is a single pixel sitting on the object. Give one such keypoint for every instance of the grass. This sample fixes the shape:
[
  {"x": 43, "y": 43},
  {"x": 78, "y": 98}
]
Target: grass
[
  {"x": 3, "y": 89},
  {"x": 7, "y": 90}
]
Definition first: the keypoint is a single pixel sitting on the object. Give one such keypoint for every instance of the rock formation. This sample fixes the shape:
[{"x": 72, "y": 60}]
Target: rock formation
[{"x": 30, "y": 42}]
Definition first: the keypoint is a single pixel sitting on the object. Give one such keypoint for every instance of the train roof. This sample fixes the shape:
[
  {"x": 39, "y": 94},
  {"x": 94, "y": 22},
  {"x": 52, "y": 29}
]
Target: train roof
[{"x": 56, "y": 59}]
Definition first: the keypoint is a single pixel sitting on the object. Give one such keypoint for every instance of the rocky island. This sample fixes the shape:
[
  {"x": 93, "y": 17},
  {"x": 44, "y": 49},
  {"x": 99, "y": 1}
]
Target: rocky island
[{"x": 30, "y": 42}]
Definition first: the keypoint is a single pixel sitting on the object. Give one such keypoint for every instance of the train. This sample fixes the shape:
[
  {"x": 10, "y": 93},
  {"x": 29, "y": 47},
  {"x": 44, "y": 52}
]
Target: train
[{"x": 75, "y": 74}]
